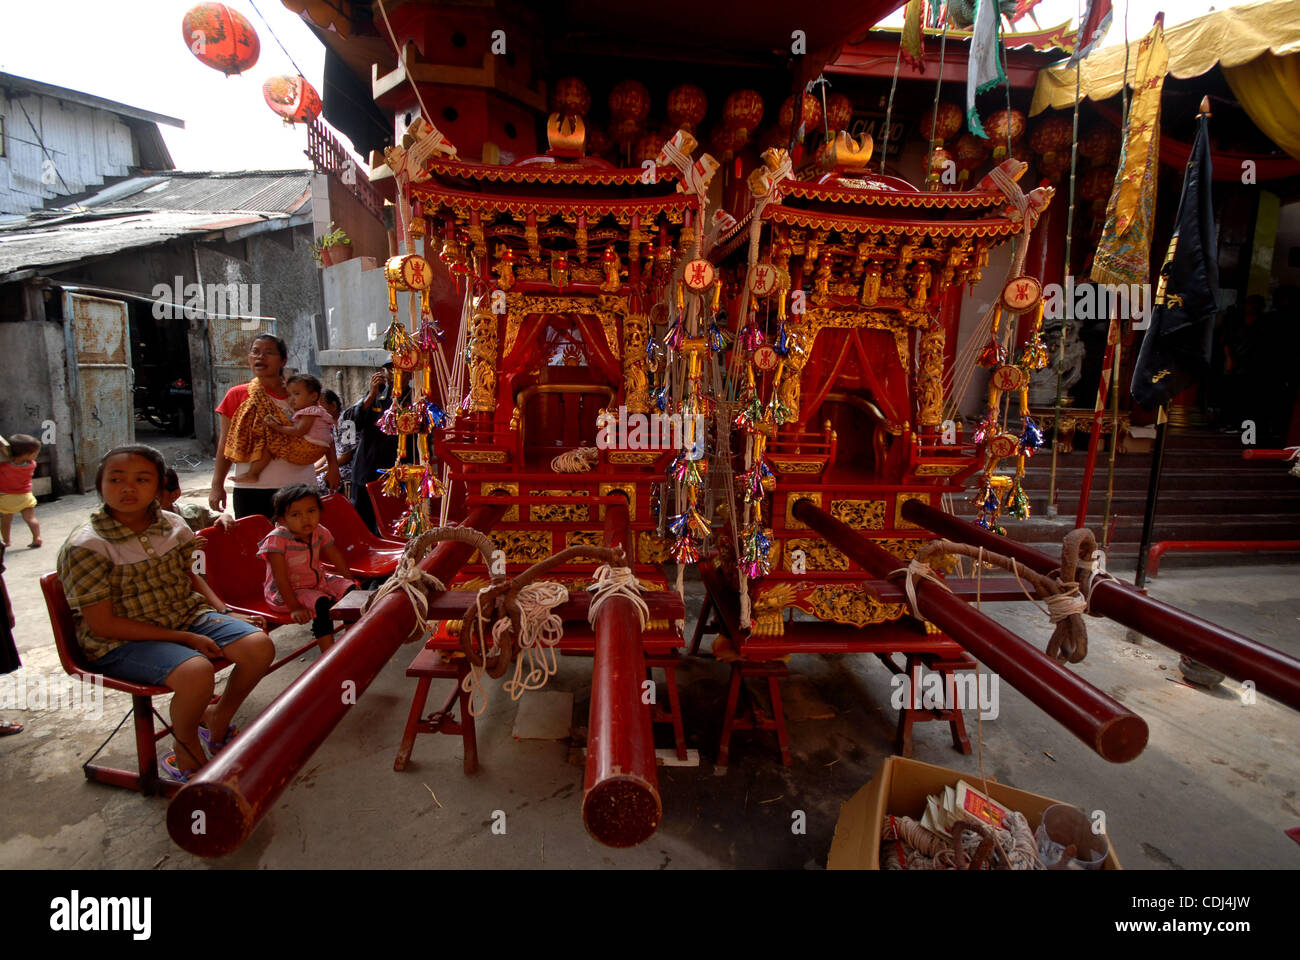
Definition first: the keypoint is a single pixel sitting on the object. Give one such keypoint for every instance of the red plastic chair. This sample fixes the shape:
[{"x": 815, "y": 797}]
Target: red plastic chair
[
  {"x": 235, "y": 571},
  {"x": 388, "y": 510},
  {"x": 368, "y": 556},
  {"x": 145, "y": 778}
]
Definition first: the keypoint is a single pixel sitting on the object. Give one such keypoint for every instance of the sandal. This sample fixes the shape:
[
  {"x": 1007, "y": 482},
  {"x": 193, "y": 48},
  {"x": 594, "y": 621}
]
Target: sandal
[
  {"x": 205, "y": 735},
  {"x": 173, "y": 770},
  {"x": 10, "y": 727}
]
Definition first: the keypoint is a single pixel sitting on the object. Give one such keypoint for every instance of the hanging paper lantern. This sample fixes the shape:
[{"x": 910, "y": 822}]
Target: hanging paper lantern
[
  {"x": 726, "y": 142},
  {"x": 646, "y": 147},
  {"x": 1005, "y": 124},
  {"x": 1052, "y": 135},
  {"x": 1055, "y": 165},
  {"x": 220, "y": 37},
  {"x": 1095, "y": 186},
  {"x": 839, "y": 112},
  {"x": 624, "y": 131},
  {"x": 1101, "y": 142},
  {"x": 292, "y": 97},
  {"x": 599, "y": 141},
  {"x": 570, "y": 97},
  {"x": 812, "y": 113},
  {"x": 687, "y": 105},
  {"x": 940, "y": 161},
  {"x": 773, "y": 137},
  {"x": 947, "y": 126},
  {"x": 743, "y": 110},
  {"x": 629, "y": 99},
  {"x": 969, "y": 153}
]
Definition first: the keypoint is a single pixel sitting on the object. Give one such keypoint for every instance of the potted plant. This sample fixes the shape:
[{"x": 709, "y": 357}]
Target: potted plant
[{"x": 334, "y": 247}]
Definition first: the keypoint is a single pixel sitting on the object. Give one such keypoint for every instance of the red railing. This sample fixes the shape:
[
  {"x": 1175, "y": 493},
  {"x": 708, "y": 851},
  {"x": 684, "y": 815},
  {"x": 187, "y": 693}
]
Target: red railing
[{"x": 328, "y": 156}]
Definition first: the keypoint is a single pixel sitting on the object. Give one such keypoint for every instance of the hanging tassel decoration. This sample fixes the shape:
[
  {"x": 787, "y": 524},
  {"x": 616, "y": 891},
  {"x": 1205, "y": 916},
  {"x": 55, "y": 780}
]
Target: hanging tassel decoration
[
  {"x": 1031, "y": 437},
  {"x": 755, "y": 545}
]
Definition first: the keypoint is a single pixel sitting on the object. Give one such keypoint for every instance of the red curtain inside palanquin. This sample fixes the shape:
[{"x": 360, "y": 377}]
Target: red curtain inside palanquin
[
  {"x": 552, "y": 350},
  {"x": 864, "y": 362}
]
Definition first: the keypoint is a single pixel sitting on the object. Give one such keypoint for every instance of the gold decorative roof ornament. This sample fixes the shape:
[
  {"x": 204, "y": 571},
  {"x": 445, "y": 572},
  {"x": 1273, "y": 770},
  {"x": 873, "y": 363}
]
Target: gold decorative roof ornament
[
  {"x": 849, "y": 155},
  {"x": 567, "y": 135}
]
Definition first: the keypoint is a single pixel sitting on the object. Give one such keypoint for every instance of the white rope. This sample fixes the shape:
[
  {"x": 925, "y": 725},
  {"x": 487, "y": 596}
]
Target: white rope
[
  {"x": 616, "y": 582},
  {"x": 575, "y": 461},
  {"x": 412, "y": 581},
  {"x": 915, "y": 568},
  {"x": 473, "y": 682},
  {"x": 540, "y": 629},
  {"x": 1095, "y": 568}
]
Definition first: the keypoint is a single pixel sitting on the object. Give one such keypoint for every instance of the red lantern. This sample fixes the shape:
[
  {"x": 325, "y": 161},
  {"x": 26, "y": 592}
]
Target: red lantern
[
  {"x": 774, "y": 137},
  {"x": 292, "y": 97},
  {"x": 220, "y": 37},
  {"x": 687, "y": 105},
  {"x": 743, "y": 110},
  {"x": 625, "y": 130},
  {"x": 1095, "y": 186},
  {"x": 1101, "y": 142},
  {"x": 1054, "y": 165},
  {"x": 839, "y": 112},
  {"x": 727, "y": 142},
  {"x": 1006, "y": 124},
  {"x": 629, "y": 99},
  {"x": 570, "y": 97},
  {"x": 940, "y": 161},
  {"x": 1052, "y": 135},
  {"x": 599, "y": 141},
  {"x": 812, "y": 113},
  {"x": 969, "y": 153},
  {"x": 948, "y": 124},
  {"x": 647, "y": 147}
]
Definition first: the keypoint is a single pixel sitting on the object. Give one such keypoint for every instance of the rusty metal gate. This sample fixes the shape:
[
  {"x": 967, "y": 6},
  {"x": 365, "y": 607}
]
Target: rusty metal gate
[{"x": 100, "y": 379}]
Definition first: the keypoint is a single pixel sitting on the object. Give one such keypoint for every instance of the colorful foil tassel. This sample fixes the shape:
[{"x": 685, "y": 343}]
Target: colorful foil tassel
[
  {"x": 429, "y": 337},
  {"x": 435, "y": 415},
  {"x": 782, "y": 344},
  {"x": 387, "y": 421},
  {"x": 719, "y": 339},
  {"x": 1016, "y": 503},
  {"x": 430, "y": 486},
  {"x": 754, "y": 548},
  {"x": 1034, "y": 356},
  {"x": 686, "y": 550},
  {"x": 984, "y": 427},
  {"x": 757, "y": 481},
  {"x": 688, "y": 471},
  {"x": 750, "y": 414},
  {"x": 777, "y": 409},
  {"x": 1031, "y": 437},
  {"x": 993, "y": 355}
]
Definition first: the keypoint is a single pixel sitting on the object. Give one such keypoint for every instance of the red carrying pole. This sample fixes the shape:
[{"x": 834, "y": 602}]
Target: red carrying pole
[
  {"x": 1274, "y": 673},
  {"x": 1098, "y": 415},
  {"x": 1108, "y": 727},
  {"x": 216, "y": 812},
  {"x": 620, "y": 800}
]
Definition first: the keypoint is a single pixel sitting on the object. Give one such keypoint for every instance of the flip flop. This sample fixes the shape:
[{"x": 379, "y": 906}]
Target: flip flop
[
  {"x": 10, "y": 727},
  {"x": 205, "y": 735},
  {"x": 173, "y": 770}
]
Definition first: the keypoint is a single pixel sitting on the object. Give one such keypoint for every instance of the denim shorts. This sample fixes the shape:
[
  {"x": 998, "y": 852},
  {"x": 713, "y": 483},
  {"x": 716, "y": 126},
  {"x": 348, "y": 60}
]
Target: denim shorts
[{"x": 152, "y": 661}]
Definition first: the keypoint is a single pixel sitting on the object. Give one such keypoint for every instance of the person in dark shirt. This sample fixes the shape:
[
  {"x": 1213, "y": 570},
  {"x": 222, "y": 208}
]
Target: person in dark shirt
[{"x": 375, "y": 449}]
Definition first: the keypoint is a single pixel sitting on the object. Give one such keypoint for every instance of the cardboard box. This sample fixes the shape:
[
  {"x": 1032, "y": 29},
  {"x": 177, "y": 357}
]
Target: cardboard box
[{"x": 900, "y": 787}]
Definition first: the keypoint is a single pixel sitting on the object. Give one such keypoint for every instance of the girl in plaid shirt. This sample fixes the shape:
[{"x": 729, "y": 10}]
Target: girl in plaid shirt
[{"x": 144, "y": 616}]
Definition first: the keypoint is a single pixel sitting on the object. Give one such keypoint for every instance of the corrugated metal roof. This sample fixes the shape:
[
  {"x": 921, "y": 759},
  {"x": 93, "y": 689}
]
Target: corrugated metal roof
[
  {"x": 259, "y": 191},
  {"x": 46, "y": 245}
]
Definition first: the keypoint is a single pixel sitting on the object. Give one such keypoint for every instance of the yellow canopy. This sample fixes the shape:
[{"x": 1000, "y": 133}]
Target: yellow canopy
[{"x": 1231, "y": 37}]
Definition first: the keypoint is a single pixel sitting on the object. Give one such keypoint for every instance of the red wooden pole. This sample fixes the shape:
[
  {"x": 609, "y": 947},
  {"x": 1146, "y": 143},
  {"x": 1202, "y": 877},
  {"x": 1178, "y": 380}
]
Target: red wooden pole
[
  {"x": 214, "y": 813},
  {"x": 1273, "y": 672},
  {"x": 1108, "y": 727},
  {"x": 620, "y": 800}
]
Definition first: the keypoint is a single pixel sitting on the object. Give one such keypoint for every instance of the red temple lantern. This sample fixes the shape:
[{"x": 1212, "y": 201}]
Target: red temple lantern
[
  {"x": 647, "y": 147},
  {"x": 947, "y": 126},
  {"x": 1005, "y": 125},
  {"x": 743, "y": 110},
  {"x": 727, "y": 142},
  {"x": 812, "y": 113},
  {"x": 625, "y": 130},
  {"x": 292, "y": 97},
  {"x": 839, "y": 112},
  {"x": 220, "y": 37},
  {"x": 1101, "y": 142},
  {"x": 1095, "y": 187},
  {"x": 599, "y": 141},
  {"x": 687, "y": 105},
  {"x": 570, "y": 97},
  {"x": 1052, "y": 135},
  {"x": 629, "y": 99},
  {"x": 1054, "y": 165},
  {"x": 969, "y": 153}
]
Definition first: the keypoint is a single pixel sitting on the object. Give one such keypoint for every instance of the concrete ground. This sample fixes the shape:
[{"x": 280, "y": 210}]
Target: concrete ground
[{"x": 1216, "y": 786}]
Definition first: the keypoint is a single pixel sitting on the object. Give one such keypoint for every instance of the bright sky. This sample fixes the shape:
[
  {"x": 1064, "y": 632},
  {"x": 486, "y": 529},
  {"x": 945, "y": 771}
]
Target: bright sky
[{"x": 135, "y": 54}]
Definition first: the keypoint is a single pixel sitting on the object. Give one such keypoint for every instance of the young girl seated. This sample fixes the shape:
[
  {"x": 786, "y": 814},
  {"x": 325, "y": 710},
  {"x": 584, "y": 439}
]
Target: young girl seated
[
  {"x": 144, "y": 616},
  {"x": 295, "y": 552},
  {"x": 195, "y": 515},
  {"x": 311, "y": 422}
]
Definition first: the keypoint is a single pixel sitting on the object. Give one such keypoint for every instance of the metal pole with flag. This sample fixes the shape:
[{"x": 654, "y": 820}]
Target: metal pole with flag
[{"x": 1175, "y": 351}]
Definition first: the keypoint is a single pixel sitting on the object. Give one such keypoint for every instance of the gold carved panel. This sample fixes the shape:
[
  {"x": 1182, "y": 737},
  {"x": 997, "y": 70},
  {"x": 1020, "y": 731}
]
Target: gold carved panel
[
  {"x": 899, "y": 521},
  {"x": 504, "y": 490},
  {"x": 791, "y": 522},
  {"x": 557, "y": 512},
  {"x": 820, "y": 554},
  {"x": 524, "y": 546},
  {"x": 844, "y": 604},
  {"x": 860, "y": 514},
  {"x": 629, "y": 489},
  {"x": 652, "y": 549},
  {"x": 583, "y": 538}
]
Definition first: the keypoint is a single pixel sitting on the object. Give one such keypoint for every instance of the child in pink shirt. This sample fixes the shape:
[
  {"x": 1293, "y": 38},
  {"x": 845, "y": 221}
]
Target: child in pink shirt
[
  {"x": 310, "y": 420},
  {"x": 16, "y": 486},
  {"x": 295, "y": 552}
]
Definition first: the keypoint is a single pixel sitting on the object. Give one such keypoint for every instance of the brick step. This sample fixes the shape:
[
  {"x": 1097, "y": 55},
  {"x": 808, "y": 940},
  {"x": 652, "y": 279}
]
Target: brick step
[
  {"x": 1128, "y": 528},
  {"x": 1177, "y": 502},
  {"x": 1038, "y": 477}
]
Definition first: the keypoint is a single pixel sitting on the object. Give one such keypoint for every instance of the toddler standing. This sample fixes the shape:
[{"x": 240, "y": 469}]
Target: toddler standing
[{"x": 16, "y": 486}]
